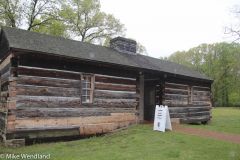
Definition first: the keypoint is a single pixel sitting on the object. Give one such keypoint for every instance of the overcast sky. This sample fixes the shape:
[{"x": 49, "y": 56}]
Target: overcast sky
[{"x": 166, "y": 26}]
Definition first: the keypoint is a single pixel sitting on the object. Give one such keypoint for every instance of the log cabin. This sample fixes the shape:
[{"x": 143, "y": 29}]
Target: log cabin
[{"x": 56, "y": 87}]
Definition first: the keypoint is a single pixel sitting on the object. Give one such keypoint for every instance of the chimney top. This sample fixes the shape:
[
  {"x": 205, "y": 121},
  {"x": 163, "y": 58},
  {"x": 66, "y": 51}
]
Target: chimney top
[{"x": 124, "y": 45}]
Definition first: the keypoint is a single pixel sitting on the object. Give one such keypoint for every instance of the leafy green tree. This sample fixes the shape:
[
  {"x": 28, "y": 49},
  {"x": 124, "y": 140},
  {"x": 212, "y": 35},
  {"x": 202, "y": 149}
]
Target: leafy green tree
[
  {"x": 181, "y": 57},
  {"x": 10, "y": 12},
  {"x": 28, "y": 14},
  {"x": 54, "y": 27},
  {"x": 88, "y": 23},
  {"x": 219, "y": 61},
  {"x": 39, "y": 12},
  {"x": 81, "y": 19}
]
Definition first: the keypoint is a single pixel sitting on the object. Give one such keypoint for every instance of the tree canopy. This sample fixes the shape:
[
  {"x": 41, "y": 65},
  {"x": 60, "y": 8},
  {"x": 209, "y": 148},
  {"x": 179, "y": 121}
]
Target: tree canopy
[
  {"x": 27, "y": 14},
  {"x": 219, "y": 61},
  {"x": 85, "y": 20},
  {"x": 79, "y": 19},
  {"x": 82, "y": 20}
]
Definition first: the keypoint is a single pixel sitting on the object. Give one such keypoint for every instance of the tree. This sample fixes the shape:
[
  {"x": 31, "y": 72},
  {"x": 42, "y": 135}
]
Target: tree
[
  {"x": 40, "y": 12},
  {"x": 28, "y": 14},
  {"x": 219, "y": 61},
  {"x": 234, "y": 28},
  {"x": 181, "y": 57},
  {"x": 10, "y": 12},
  {"x": 53, "y": 27},
  {"x": 141, "y": 49},
  {"x": 79, "y": 19},
  {"x": 85, "y": 21}
]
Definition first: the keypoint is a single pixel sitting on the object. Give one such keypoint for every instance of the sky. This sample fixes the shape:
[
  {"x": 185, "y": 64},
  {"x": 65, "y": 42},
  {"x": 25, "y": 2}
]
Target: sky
[{"x": 167, "y": 26}]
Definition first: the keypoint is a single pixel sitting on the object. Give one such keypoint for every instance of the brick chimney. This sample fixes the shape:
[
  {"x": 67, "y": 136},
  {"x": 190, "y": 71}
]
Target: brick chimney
[{"x": 123, "y": 45}]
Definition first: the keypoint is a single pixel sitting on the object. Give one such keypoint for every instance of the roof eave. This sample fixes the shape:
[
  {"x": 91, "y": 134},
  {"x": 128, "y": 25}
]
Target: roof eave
[{"x": 113, "y": 64}]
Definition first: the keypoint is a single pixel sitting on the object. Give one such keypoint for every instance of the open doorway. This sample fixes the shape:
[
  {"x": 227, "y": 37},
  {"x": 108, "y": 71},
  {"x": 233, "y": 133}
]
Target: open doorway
[{"x": 152, "y": 97}]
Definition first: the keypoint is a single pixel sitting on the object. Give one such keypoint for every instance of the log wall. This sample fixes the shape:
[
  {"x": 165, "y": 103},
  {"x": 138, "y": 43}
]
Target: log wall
[
  {"x": 189, "y": 103},
  {"x": 49, "y": 100},
  {"x": 6, "y": 72},
  {"x": 38, "y": 100}
]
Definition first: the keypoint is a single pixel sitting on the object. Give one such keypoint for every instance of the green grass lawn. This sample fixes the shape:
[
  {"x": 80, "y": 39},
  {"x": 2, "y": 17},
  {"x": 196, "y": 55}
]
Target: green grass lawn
[
  {"x": 225, "y": 119},
  {"x": 140, "y": 142},
  {"x": 137, "y": 143}
]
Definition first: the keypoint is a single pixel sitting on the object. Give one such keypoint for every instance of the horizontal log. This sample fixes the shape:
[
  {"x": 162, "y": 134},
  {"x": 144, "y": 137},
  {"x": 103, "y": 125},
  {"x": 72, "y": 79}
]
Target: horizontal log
[
  {"x": 72, "y": 121},
  {"x": 176, "y": 86},
  {"x": 176, "y": 91},
  {"x": 189, "y": 114},
  {"x": 26, "y": 112},
  {"x": 5, "y": 61},
  {"x": 71, "y": 102},
  {"x": 194, "y": 114},
  {"x": 198, "y": 88},
  {"x": 201, "y": 103},
  {"x": 42, "y": 72},
  {"x": 199, "y": 108},
  {"x": 47, "y": 101},
  {"x": 195, "y": 119},
  {"x": 66, "y": 131},
  {"x": 93, "y": 129},
  {"x": 173, "y": 105},
  {"x": 176, "y": 95},
  {"x": 57, "y": 113},
  {"x": 175, "y": 102},
  {"x": 201, "y": 87},
  {"x": 108, "y": 94},
  {"x": 201, "y": 93},
  {"x": 46, "y": 91},
  {"x": 19, "y": 130},
  {"x": 5, "y": 69},
  {"x": 119, "y": 80},
  {"x": 201, "y": 98},
  {"x": 47, "y": 132},
  {"x": 178, "y": 110},
  {"x": 5, "y": 77},
  {"x": 108, "y": 76},
  {"x": 118, "y": 87},
  {"x": 46, "y": 81},
  {"x": 122, "y": 103}
]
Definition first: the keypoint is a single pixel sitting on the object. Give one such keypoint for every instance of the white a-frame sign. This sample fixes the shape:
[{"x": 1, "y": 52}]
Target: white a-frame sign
[{"x": 162, "y": 119}]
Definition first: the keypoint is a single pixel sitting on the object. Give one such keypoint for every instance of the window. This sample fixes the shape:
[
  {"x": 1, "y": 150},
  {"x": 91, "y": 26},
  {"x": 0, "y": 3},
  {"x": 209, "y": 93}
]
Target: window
[{"x": 87, "y": 88}]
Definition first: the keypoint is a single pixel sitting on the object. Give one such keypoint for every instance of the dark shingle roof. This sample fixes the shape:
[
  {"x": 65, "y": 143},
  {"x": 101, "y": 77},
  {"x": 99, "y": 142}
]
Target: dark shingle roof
[{"x": 21, "y": 39}]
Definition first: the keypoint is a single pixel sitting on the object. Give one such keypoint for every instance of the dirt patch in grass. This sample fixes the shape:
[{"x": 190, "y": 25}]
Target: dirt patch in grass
[{"x": 234, "y": 138}]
